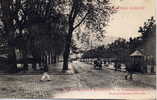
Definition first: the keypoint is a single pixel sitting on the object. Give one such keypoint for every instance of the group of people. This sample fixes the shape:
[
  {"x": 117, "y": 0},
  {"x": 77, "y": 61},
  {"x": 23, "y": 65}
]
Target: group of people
[{"x": 129, "y": 68}]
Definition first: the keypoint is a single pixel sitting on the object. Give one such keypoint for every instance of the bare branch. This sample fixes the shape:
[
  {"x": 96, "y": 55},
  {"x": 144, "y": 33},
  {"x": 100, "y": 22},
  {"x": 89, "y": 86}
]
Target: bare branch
[{"x": 81, "y": 21}]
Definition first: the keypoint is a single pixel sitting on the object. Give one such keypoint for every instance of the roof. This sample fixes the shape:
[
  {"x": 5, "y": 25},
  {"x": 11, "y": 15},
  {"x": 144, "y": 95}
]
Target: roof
[{"x": 136, "y": 53}]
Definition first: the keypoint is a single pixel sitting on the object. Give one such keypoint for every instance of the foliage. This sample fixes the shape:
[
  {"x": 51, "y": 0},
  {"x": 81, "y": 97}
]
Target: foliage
[
  {"x": 121, "y": 48},
  {"x": 148, "y": 29},
  {"x": 92, "y": 13},
  {"x": 33, "y": 27},
  {"x": 32, "y": 23},
  {"x": 23, "y": 20}
]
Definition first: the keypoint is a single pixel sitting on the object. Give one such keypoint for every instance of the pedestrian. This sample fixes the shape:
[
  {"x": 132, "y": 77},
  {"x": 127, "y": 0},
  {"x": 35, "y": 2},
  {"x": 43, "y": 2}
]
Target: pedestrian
[
  {"x": 116, "y": 66},
  {"x": 45, "y": 76},
  {"x": 100, "y": 64},
  {"x": 130, "y": 71},
  {"x": 119, "y": 66},
  {"x": 95, "y": 64}
]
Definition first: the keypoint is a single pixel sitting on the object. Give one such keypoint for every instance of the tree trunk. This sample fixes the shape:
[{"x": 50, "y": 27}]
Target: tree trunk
[
  {"x": 49, "y": 58},
  {"x": 45, "y": 64},
  {"x": 67, "y": 49},
  {"x": 12, "y": 59},
  {"x": 57, "y": 58},
  {"x": 11, "y": 53},
  {"x": 25, "y": 62},
  {"x": 55, "y": 61}
]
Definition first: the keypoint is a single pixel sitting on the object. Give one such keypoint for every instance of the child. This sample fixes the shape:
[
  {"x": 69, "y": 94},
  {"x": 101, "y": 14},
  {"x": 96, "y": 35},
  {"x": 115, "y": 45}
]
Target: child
[{"x": 45, "y": 77}]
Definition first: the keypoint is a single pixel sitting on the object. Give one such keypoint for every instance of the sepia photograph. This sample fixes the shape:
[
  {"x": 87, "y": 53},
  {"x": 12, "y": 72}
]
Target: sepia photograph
[{"x": 78, "y": 49}]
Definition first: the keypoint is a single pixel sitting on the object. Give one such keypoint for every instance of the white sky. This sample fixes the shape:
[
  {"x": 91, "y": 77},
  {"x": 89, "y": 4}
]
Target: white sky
[{"x": 125, "y": 23}]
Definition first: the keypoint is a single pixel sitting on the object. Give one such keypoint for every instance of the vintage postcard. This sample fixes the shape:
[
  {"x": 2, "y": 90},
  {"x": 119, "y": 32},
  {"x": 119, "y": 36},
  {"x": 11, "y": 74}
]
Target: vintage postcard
[{"x": 78, "y": 49}]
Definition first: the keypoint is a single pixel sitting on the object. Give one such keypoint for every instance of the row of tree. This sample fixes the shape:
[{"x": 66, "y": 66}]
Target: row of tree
[
  {"x": 46, "y": 27},
  {"x": 31, "y": 29},
  {"x": 122, "y": 48}
]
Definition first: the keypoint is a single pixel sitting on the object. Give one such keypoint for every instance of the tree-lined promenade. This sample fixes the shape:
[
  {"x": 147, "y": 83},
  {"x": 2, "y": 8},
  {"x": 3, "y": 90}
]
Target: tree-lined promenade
[
  {"x": 44, "y": 28},
  {"x": 121, "y": 49}
]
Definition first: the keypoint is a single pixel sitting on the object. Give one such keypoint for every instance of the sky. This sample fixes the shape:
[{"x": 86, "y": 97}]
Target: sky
[{"x": 131, "y": 14}]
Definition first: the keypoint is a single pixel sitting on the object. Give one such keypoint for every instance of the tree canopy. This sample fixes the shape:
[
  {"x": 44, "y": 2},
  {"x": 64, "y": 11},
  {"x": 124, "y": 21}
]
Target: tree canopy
[
  {"x": 122, "y": 48},
  {"x": 23, "y": 20}
]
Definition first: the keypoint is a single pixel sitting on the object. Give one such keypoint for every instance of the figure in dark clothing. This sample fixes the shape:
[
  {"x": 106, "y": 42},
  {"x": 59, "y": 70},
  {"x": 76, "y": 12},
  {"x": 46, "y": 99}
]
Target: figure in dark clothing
[
  {"x": 98, "y": 64},
  {"x": 130, "y": 71},
  {"x": 95, "y": 64},
  {"x": 117, "y": 66}
]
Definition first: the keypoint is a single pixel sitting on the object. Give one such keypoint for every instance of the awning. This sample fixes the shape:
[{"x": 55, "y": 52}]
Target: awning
[{"x": 136, "y": 53}]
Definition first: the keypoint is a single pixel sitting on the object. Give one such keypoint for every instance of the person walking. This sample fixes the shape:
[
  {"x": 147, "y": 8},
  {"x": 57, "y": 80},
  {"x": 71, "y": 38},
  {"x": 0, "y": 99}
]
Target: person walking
[
  {"x": 45, "y": 76},
  {"x": 100, "y": 64},
  {"x": 95, "y": 64},
  {"x": 130, "y": 71},
  {"x": 115, "y": 66}
]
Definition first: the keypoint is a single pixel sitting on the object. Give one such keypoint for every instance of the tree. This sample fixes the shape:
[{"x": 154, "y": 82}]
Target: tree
[
  {"x": 93, "y": 13},
  {"x": 8, "y": 14},
  {"x": 148, "y": 29},
  {"x": 46, "y": 28},
  {"x": 21, "y": 16},
  {"x": 148, "y": 38}
]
